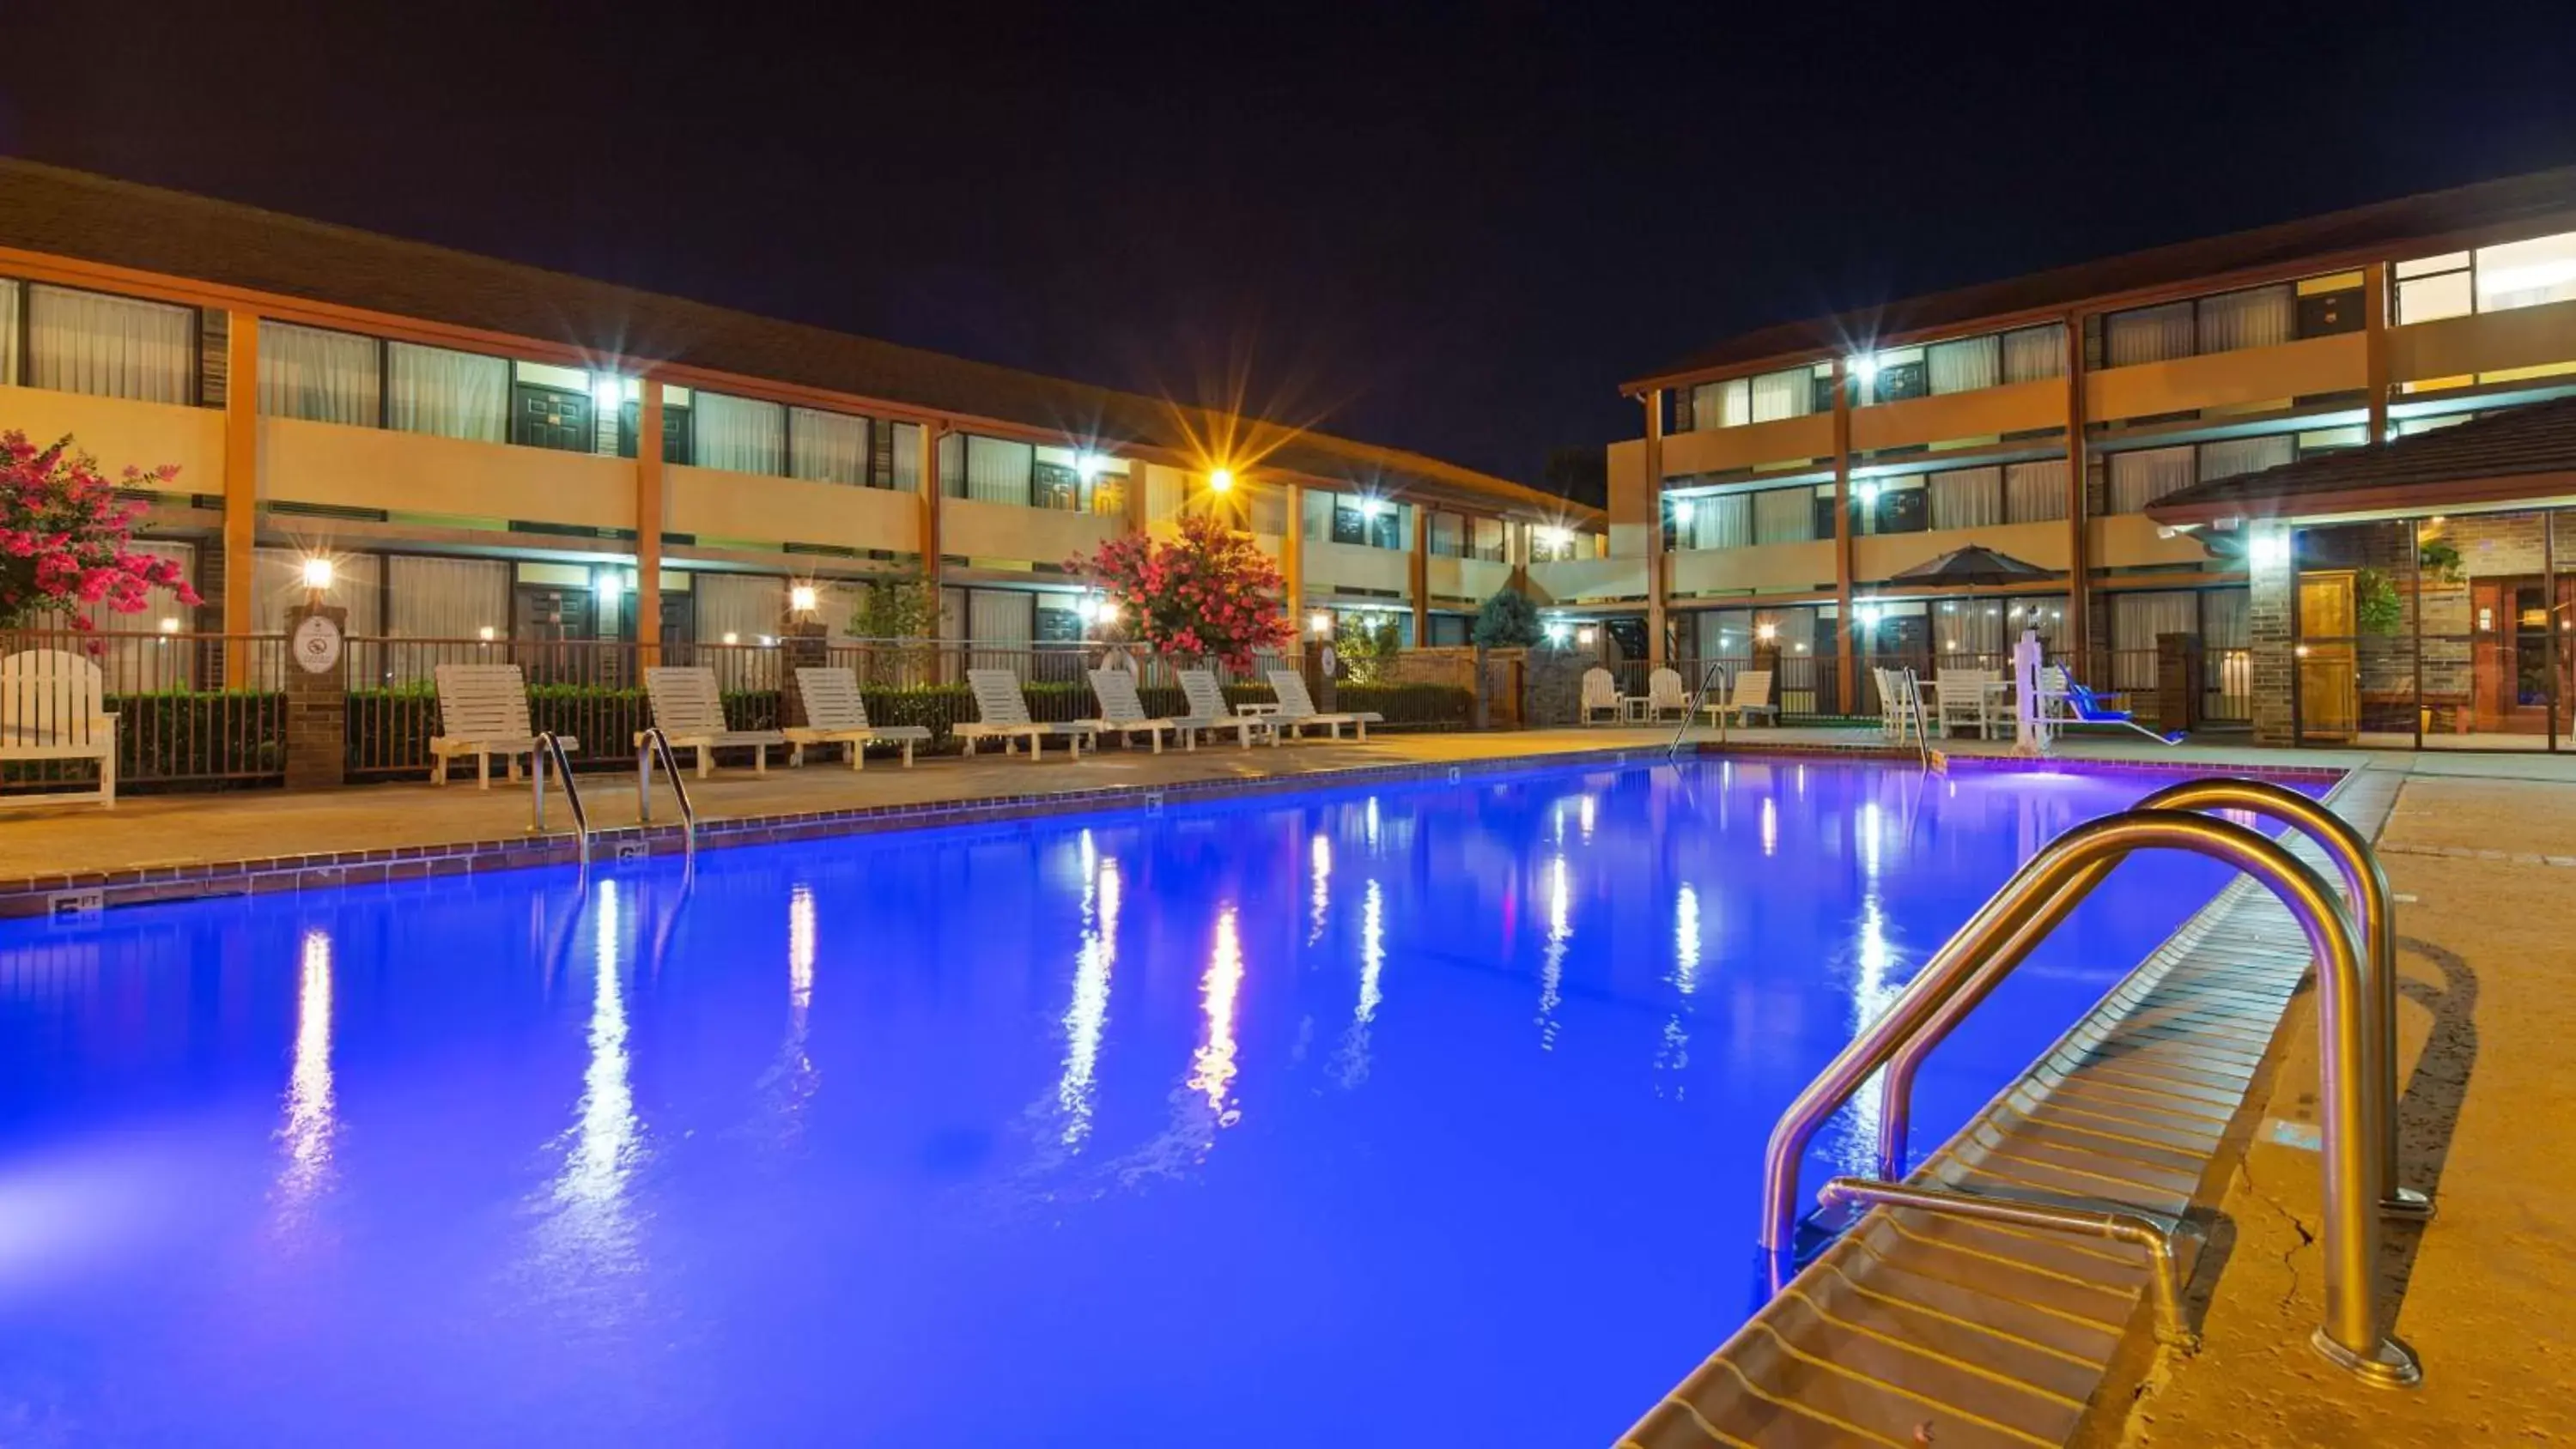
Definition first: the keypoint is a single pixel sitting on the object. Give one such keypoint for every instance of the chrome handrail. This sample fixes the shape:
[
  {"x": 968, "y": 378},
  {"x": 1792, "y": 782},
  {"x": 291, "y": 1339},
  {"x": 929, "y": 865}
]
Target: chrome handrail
[
  {"x": 1699, "y": 699},
  {"x": 2365, "y": 886},
  {"x": 2353, "y": 1335},
  {"x": 650, "y": 746},
  {"x": 550, "y": 747}
]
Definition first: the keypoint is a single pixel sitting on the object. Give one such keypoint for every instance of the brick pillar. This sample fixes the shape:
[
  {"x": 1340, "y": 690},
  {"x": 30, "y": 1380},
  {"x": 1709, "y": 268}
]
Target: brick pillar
[
  {"x": 801, "y": 645},
  {"x": 2271, "y": 585},
  {"x": 317, "y": 696}
]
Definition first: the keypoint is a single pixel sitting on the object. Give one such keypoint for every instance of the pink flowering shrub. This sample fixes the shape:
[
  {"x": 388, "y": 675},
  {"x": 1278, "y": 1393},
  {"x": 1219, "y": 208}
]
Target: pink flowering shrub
[
  {"x": 1206, "y": 594},
  {"x": 63, "y": 537}
]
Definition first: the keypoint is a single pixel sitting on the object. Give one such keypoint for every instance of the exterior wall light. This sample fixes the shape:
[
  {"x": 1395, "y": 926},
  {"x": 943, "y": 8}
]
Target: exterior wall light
[
  {"x": 1220, "y": 480},
  {"x": 1319, "y": 623},
  {"x": 802, "y": 598}
]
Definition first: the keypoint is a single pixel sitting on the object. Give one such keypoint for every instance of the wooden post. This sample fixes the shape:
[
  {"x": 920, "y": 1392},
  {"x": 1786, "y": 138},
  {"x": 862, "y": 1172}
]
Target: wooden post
[
  {"x": 1655, "y": 566},
  {"x": 931, "y": 434},
  {"x": 241, "y": 490},
  {"x": 648, "y": 524},
  {"x": 1846, "y": 665},
  {"x": 1420, "y": 579},
  {"x": 2079, "y": 564}
]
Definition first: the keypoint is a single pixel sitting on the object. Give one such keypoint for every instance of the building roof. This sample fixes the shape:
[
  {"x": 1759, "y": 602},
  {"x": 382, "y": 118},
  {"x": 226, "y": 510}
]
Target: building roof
[
  {"x": 2462, "y": 212},
  {"x": 64, "y": 213},
  {"x": 2522, "y": 452}
]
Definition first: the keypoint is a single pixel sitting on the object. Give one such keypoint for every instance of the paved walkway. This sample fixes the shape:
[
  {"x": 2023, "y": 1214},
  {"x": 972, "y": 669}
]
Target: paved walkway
[{"x": 2486, "y": 928}]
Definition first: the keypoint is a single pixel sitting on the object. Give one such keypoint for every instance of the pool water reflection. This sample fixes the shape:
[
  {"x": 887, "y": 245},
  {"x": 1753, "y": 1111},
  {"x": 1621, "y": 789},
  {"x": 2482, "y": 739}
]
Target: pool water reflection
[{"x": 1352, "y": 1117}]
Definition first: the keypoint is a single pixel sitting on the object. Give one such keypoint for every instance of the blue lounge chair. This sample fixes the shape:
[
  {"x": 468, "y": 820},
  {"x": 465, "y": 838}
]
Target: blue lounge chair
[{"x": 2084, "y": 707}]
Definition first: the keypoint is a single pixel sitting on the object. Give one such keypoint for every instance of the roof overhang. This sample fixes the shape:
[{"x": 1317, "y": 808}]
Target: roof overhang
[{"x": 2454, "y": 495}]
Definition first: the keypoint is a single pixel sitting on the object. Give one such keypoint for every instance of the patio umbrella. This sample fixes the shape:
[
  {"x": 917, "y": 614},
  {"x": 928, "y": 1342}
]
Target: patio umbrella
[{"x": 1971, "y": 566}]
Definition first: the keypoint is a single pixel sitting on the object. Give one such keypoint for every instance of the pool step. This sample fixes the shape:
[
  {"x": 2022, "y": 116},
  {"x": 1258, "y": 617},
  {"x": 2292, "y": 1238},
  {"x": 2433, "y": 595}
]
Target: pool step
[{"x": 1917, "y": 1327}]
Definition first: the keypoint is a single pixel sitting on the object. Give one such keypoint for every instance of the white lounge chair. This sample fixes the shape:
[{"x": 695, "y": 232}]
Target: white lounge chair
[
  {"x": 689, "y": 712},
  {"x": 1123, "y": 714},
  {"x": 53, "y": 706},
  {"x": 1966, "y": 699},
  {"x": 1003, "y": 714},
  {"x": 483, "y": 711},
  {"x": 837, "y": 714},
  {"x": 1665, "y": 695},
  {"x": 1752, "y": 696},
  {"x": 1601, "y": 696},
  {"x": 1208, "y": 711},
  {"x": 1297, "y": 708},
  {"x": 1900, "y": 705}
]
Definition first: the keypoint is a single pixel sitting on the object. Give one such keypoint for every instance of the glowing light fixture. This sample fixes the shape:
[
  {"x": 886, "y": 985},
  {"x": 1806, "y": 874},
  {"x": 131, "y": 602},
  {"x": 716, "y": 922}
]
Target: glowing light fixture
[
  {"x": 1766, "y": 632},
  {"x": 1682, "y": 510},
  {"x": 317, "y": 573},
  {"x": 608, "y": 389},
  {"x": 732, "y": 637},
  {"x": 1558, "y": 631},
  {"x": 2268, "y": 549},
  {"x": 1372, "y": 507},
  {"x": 1867, "y": 493},
  {"x": 1220, "y": 480},
  {"x": 802, "y": 598},
  {"x": 1863, "y": 367},
  {"x": 1319, "y": 623},
  {"x": 169, "y": 626},
  {"x": 767, "y": 641},
  {"x": 1587, "y": 635},
  {"x": 1087, "y": 464},
  {"x": 487, "y": 633},
  {"x": 608, "y": 583},
  {"x": 1869, "y": 615}
]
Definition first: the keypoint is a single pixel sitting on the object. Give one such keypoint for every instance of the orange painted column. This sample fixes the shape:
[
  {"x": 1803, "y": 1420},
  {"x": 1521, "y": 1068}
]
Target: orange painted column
[
  {"x": 2374, "y": 313},
  {"x": 1292, "y": 556},
  {"x": 647, "y": 602},
  {"x": 2079, "y": 562},
  {"x": 241, "y": 491},
  {"x": 1657, "y": 566},
  {"x": 1420, "y": 579},
  {"x": 1847, "y": 665},
  {"x": 931, "y": 434}
]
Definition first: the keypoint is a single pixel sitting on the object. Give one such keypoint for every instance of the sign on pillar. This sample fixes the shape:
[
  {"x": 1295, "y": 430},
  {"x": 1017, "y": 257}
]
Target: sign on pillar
[{"x": 317, "y": 695}]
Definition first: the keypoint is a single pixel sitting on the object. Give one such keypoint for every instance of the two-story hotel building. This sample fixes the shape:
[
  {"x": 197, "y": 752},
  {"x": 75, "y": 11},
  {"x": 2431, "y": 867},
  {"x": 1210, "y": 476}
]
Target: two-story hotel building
[
  {"x": 1797, "y": 486},
  {"x": 461, "y": 436}
]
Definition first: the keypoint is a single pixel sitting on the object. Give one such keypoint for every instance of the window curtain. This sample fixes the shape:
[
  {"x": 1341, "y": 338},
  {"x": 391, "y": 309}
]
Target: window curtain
[
  {"x": 2233, "y": 456},
  {"x": 8, "y": 333},
  {"x": 827, "y": 447},
  {"x": 1784, "y": 515},
  {"x": 1725, "y": 634},
  {"x": 738, "y": 434},
  {"x": 2256, "y": 317},
  {"x": 1965, "y": 365},
  {"x": 2527, "y": 273},
  {"x": 1777, "y": 395},
  {"x": 446, "y": 394},
  {"x": 2035, "y": 492},
  {"x": 277, "y": 585},
  {"x": 1448, "y": 534},
  {"x": 2149, "y": 334},
  {"x": 1723, "y": 522},
  {"x": 905, "y": 457},
  {"x": 1726, "y": 404},
  {"x": 1967, "y": 498},
  {"x": 2034, "y": 352},
  {"x": 998, "y": 471},
  {"x": 2136, "y": 620},
  {"x": 2226, "y": 619},
  {"x": 317, "y": 375},
  {"x": 106, "y": 346},
  {"x": 2140, "y": 478},
  {"x": 1004, "y": 617},
  {"x": 446, "y": 598}
]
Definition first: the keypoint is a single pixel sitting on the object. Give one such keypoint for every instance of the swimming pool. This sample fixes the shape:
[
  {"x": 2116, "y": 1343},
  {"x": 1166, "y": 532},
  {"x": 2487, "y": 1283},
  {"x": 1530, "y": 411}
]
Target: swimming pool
[{"x": 1359, "y": 1116}]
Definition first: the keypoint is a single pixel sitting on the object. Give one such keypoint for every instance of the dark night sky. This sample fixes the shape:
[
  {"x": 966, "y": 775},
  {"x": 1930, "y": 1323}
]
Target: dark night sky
[{"x": 1454, "y": 228}]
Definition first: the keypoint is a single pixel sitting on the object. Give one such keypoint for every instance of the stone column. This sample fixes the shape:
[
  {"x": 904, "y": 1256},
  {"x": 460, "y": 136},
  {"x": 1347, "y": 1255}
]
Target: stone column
[{"x": 317, "y": 696}]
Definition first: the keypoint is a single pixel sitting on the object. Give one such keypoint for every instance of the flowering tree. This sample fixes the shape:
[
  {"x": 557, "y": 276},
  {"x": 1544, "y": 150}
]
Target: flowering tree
[
  {"x": 64, "y": 536},
  {"x": 1207, "y": 593}
]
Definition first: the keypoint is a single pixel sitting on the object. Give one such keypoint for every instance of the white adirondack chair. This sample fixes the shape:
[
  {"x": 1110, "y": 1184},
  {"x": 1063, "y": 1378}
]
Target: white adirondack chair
[
  {"x": 482, "y": 711},
  {"x": 1122, "y": 713},
  {"x": 1966, "y": 700},
  {"x": 1208, "y": 710},
  {"x": 53, "y": 706},
  {"x": 1665, "y": 695},
  {"x": 689, "y": 711},
  {"x": 837, "y": 714},
  {"x": 1297, "y": 708},
  {"x": 1752, "y": 696},
  {"x": 1600, "y": 696},
  {"x": 1002, "y": 713}
]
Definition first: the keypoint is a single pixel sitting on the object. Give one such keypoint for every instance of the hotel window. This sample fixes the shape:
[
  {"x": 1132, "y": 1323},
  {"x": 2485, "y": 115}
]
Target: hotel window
[
  {"x": 446, "y": 394},
  {"x": 1727, "y": 404},
  {"x": 1966, "y": 365},
  {"x": 9, "y": 305},
  {"x": 994, "y": 470},
  {"x": 827, "y": 447},
  {"x": 901, "y": 459},
  {"x": 1708, "y": 521},
  {"x": 318, "y": 376},
  {"x": 2140, "y": 478},
  {"x": 1487, "y": 539},
  {"x": 89, "y": 342},
  {"x": 2233, "y": 457},
  {"x": 2499, "y": 278},
  {"x": 1965, "y": 498},
  {"x": 1448, "y": 535},
  {"x": 1368, "y": 522},
  {"x": 2255, "y": 317},
  {"x": 1789, "y": 394},
  {"x": 1786, "y": 515},
  {"x": 737, "y": 434},
  {"x": 2032, "y": 353},
  {"x": 2035, "y": 492},
  {"x": 2148, "y": 334}
]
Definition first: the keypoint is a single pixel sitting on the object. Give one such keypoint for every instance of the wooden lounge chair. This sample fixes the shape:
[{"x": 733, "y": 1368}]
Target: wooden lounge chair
[
  {"x": 1601, "y": 697},
  {"x": 1123, "y": 714},
  {"x": 689, "y": 712},
  {"x": 53, "y": 706},
  {"x": 1208, "y": 711},
  {"x": 837, "y": 714},
  {"x": 1297, "y": 708},
  {"x": 1003, "y": 714},
  {"x": 1752, "y": 696},
  {"x": 483, "y": 711}
]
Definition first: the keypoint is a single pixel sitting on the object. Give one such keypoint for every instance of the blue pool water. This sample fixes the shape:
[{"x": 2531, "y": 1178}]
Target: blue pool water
[{"x": 1390, "y": 1116}]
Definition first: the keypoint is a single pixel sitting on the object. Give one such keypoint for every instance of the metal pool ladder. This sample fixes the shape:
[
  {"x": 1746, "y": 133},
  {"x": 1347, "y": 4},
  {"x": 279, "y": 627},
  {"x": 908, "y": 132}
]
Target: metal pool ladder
[
  {"x": 1716, "y": 671},
  {"x": 652, "y": 746},
  {"x": 549, "y": 746},
  {"x": 2356, "y": 989}
]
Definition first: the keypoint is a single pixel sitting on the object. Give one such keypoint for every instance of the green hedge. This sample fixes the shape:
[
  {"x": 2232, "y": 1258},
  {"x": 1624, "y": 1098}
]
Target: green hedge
[{"x": 196, "y": 736}]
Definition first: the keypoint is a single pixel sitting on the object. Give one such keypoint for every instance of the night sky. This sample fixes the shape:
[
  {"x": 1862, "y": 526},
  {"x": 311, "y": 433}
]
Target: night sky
[{"x": 1453, "y": 228}]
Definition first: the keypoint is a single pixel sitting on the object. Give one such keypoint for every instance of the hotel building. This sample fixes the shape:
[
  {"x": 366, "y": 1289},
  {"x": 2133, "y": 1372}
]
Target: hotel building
[
  {"x": 461, "y": 436},
  {"x": 2215, "y": 459}
]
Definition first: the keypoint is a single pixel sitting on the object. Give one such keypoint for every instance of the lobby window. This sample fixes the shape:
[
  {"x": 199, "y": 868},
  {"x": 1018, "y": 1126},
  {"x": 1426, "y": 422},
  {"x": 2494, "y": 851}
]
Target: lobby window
[
  {"x": 90, "y": 342},
  {"x": 446, "y": 394},
  {"x": 319, "y": 376},
  {"x": 2499, "y": 278}
]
